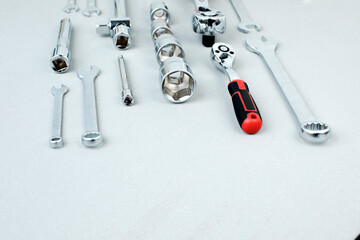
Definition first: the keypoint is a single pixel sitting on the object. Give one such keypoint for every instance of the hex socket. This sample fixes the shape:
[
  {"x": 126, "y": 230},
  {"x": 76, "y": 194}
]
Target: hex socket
[
  {"x": 60, "y": 60},
  {"x": 167, "y": 46},
  {"x": 177, "y": 80},
  {"x": 158, "y": 10},
  {"x": 159, "y": 27}
]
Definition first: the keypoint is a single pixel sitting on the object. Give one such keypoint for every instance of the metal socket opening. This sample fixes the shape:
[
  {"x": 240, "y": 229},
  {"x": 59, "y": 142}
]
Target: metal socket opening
[
  {"x": 158, "y": 28},
  {"x": 177, "y": 81},
  {"x": 60, "y": 64},
  {"x": 158, "y": 10},
  {"x": 121, "y": 36}
]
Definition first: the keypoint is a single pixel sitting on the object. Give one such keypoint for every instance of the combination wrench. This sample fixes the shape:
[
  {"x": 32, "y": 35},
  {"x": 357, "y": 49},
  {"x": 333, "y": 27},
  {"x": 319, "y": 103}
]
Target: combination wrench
[
  {"x": 71, "y": 6},
  {"x": 92, "y": 137},
  {"x": 246, "y": 23},
  {"x": 311, "y": 130},
  {"x": 56, "y": 141},
  {"x": 91, "y": 8}
]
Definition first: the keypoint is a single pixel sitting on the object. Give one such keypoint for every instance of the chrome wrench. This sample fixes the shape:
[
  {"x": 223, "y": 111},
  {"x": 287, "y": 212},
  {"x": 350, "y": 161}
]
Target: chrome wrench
[
  {"x": 91, "y": 8},
  {"x": 56, "y": 140},
  {"x": 246, "y": 23},
  {"x": 311, "y": 130},
  {"x": 92, "y": 137},
  {"x": 71, "y": 6}
]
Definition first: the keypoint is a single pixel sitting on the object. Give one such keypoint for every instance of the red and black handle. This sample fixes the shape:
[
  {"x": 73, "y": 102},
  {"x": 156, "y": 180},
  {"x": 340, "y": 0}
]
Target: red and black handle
[{"x": 245, "y": 107}]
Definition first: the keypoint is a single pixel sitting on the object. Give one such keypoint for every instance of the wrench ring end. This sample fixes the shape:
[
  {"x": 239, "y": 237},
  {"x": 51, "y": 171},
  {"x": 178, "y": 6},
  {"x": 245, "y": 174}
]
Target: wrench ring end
[
  {"x": 315, "y": 132},
  {"x": 56, "y": 142},
  {"x": 92, "y": 139}
]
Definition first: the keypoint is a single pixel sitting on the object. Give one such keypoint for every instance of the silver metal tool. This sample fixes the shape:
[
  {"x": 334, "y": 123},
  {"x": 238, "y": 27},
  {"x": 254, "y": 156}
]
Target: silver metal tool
[
  {"x": 208, "y": 22},
  {"x": 246, "y": 22},
  {"x": 311, "y": 130},
  {"x": 92, "y": 137},
  {"x": 167, "y": 46},
  {"x": 177, "y": 80},
  {"x": 119, "y": 27},
  {"x": 91, "y": 8},
  {"x": 56, "y": 141},
  {"x": 71, "y": 6},
  {"x": 160, "y": 27},
  {"x": 127, "y": 96},
  {"x": 159, "y": 11},
  {"x": 60, "y": 60}
]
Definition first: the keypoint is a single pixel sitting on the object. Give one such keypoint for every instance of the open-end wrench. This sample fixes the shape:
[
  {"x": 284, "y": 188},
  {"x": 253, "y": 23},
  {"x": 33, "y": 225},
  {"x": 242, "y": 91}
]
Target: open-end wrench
[
  {"x": 247, "y": 113},
  {"x": 246, "y": 23},
  {"x": 71, "y": 6},
  {"x": 92, "y": 137},
  {"x": 311, "y": 130},
  {"x": 56, "y": 141},
  {"x": 91, "y": 8}
]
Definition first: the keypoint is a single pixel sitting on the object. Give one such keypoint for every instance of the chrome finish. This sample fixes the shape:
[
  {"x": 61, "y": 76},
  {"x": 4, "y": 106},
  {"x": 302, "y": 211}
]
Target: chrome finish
[
  {"x": 201, "y": 4},
  {"x": 56, "y": 141},
  {"x": 246, "y": 23},
  {"x": 310, "y": 129},
  {"x": 159, "y": 27},
  {"x": 92, "y": 137},
  {"x": 167, "y": 46},
  {"x": 91, "y": 8},
  {"x": 71, "y": 6},
  {"x": 158, "y": 10},
  {"x": 60, "y": 60},
  {"x": 127, "y": 96},
  {"x": 177, "y": 80},
  {"x": 119, "y": 27},
  {"x": 223, "y": 57}
]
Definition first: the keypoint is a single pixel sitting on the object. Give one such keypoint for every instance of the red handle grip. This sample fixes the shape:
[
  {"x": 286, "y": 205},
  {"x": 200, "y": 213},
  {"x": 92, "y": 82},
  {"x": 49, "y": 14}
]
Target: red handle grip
[{"x": 245, "y": 107}]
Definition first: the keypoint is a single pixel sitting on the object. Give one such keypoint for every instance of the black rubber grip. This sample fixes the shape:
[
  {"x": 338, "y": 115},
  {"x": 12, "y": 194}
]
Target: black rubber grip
[{"x": 246, "y": 111}]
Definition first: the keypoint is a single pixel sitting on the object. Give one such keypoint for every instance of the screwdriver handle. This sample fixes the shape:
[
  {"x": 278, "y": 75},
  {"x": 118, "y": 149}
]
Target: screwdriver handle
[{"x": 245, "y": 107}]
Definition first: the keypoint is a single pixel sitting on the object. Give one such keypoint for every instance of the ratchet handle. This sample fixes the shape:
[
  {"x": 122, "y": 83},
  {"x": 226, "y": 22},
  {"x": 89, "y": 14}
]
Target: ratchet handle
[{"x": 245, "y": 107}]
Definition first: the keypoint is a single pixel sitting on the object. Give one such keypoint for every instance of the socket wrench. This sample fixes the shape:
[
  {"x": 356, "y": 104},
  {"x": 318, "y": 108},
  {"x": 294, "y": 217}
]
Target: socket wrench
[
  {"x": 60, "y": 60},
  {"x": 208, "y": 22},
  {"x": 119, "y": 27},
  {"x": 246, "y": 110},
  {"x": 311, "y": 130}
]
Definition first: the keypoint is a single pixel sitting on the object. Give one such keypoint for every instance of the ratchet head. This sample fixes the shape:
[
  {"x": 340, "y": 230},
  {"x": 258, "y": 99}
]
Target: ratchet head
[
  {"x": 223, "y": 56},
  {"x": 259, "y": 45},
  {"x": 315, "y": 132}
]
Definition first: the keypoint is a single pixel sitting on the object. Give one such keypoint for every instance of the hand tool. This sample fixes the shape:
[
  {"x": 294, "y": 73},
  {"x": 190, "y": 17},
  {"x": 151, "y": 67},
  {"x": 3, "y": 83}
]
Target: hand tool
[
  {"x": 119, "y": 28},
  {"x": 127, "y": 96},
  {"x": 177, "y": 80},
  {"x": 56, "y": 140},
  {"x": 159, "y": 27},
  {"x": 311, "y": 130},
  {"x": 159, "y": 11},
  {"x": 92, "y": 137},
  {"x": 71, "y": 6},
  {"x": 60, "y": 60},
  {"x": 208, "y": 22},
  {"x": 166, "y": 46},
  {"x": 91, "y": 8},
  {"x": 246, "y": 23},
  {"x": 246, "y": 111}
]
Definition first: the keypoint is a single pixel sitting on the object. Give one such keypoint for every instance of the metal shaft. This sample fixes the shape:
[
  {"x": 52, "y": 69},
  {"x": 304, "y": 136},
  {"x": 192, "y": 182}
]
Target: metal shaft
[
  {"x": 91, "y": 121},
  {"x": 201, "y": 3},
  {"x": 127, "y": 96},
  {"x": 297, "y": 103},
  {"x": 240, "y": 10},
  {"x": 64, "y": 34},
  {"x": 57, "y": 115},
  {"x": 120, "y": 9}
]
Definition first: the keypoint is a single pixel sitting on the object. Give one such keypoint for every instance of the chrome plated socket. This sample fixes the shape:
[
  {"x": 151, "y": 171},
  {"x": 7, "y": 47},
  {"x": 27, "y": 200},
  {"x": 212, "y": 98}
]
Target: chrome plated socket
[
  {"x": 177, "y": 80},
  {"x": 159, "y": 27},
  {"x": 167, "y": 46},
  {"x": 60, "y": 60},
  {"x": 158, "y": 10}
]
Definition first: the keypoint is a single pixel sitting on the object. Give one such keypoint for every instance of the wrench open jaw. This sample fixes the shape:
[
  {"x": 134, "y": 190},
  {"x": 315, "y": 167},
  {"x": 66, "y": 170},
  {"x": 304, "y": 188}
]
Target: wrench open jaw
[
  {"x": 71, "y": 7},
  {"x": 245, "y": 27},
  {"x": 311, "y": 130}
]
